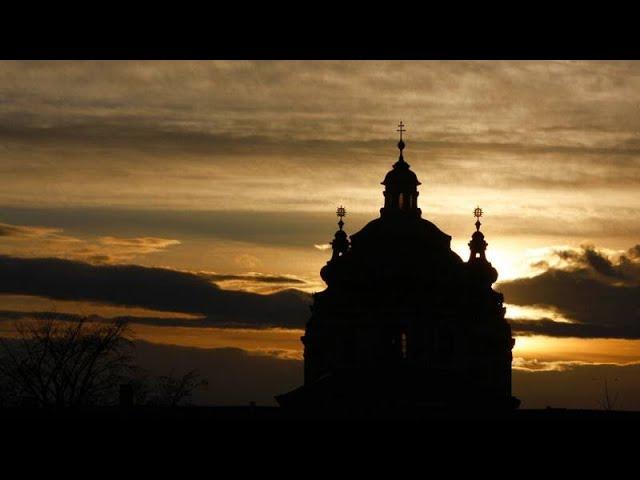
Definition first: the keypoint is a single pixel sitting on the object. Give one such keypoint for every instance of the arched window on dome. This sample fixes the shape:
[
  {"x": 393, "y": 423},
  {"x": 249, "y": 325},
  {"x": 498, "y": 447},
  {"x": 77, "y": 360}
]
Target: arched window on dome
[{"x": 401, "y": 201}]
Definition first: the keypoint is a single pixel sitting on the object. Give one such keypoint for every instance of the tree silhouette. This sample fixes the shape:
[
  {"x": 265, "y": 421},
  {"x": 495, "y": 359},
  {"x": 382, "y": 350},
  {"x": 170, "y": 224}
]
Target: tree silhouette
[
  {"x": 607, "y": 402},
  {"x": 58, "y": 363},
  {"x": 170, "y": 391}
]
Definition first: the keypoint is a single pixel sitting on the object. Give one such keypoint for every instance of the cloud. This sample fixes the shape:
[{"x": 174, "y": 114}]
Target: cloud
[
  {"x": 535, "y": 365},
  {"x": 545, "y": 326},
  {"x": 634, "y": 252},
  {"x": 600, "y": 293},
  {"x": 118, "y": 249},
  {"x": 152, "y": 288},
  {"x": 297, "y": 135},
  {"x": 597, "y": 295},
  {"x": 46, "y": 240},
  {"x": 25, "y": 231},
  {"x": 603, "y": 264},
  {"x": 159, "y": 321},
  {"x": 276, "y": 228},
  {"x": 256, "y": 282},
  {"x": 252, "y": 276},
  {"x": 143, "y": 244}
]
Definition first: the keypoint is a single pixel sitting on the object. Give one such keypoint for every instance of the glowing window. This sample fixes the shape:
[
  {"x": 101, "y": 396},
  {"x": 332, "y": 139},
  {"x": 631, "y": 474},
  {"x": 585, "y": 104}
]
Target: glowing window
[{"x": 403, "y": 345}]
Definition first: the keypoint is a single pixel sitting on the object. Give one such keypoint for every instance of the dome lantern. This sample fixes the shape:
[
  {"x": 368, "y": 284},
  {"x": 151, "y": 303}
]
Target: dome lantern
[{"x": 401, "y": 192}]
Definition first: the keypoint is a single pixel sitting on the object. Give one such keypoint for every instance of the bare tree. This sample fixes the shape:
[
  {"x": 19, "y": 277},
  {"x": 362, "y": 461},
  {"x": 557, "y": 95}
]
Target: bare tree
[
  {"x": 171, "y": 391},
  {"x": 60, "y": 363}
]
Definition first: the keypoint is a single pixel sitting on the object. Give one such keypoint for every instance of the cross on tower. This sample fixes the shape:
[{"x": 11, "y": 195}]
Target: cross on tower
[
  {"x": 341, "y": 212},
  {"x": 401, "y": 129},
  {"x": 477, "y": 213}
]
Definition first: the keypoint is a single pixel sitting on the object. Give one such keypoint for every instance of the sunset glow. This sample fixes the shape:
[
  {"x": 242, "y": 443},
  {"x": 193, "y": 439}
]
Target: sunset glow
[{"x": 217, "y": 184}]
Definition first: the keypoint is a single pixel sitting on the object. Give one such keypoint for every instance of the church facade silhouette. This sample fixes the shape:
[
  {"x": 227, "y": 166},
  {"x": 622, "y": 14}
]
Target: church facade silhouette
[{"x": 404, "y": 321}]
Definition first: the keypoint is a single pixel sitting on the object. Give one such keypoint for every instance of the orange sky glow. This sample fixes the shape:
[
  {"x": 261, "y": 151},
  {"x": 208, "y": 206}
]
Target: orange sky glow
[{"x": 231, "y": 172}]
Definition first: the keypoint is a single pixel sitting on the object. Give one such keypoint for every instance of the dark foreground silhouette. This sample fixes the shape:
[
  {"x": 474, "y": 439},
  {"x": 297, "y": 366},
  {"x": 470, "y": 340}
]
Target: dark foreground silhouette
[{"x": 277, "y": 414}]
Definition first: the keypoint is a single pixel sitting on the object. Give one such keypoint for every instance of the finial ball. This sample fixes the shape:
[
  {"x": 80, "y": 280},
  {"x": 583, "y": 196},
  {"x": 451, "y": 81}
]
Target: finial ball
[
  {"x": 477, "y": 212},
  {"x": 341, "y": 211},
  {"x": 401, "y": 145}
]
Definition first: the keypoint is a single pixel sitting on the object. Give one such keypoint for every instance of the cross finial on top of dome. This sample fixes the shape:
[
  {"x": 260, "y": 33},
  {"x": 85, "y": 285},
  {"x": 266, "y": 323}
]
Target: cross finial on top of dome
[
  {"x": 401, "y": 130},
  {"x": 341, "y": 212}
]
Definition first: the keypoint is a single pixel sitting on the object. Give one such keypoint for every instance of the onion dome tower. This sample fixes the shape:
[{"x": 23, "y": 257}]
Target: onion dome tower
[{"x": 404, "y": 321}]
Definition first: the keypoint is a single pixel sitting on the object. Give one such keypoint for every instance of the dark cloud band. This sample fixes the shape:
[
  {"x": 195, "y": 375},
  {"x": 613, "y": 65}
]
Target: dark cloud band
[
  {"x": 152, "y": 288},
  {"x": 600, "y": 294}
]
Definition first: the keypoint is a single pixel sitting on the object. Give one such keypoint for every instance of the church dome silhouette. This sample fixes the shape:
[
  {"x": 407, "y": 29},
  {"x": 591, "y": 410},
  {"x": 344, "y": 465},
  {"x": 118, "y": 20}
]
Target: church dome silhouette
[
  {"x": 401, "y": 175},
  {"x": 404, "y": 320}
]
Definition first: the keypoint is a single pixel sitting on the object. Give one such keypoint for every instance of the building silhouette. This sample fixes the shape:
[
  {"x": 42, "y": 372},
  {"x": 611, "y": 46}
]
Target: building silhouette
[{"x": 404, "y": 321}]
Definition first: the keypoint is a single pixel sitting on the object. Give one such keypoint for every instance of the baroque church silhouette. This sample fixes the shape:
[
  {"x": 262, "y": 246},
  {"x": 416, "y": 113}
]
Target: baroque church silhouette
[{"x": 404, "y": 321}]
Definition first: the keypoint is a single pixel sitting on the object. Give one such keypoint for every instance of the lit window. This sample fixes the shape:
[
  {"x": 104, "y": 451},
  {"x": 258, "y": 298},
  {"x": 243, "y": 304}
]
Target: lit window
[{"x": 403, "y": 345}]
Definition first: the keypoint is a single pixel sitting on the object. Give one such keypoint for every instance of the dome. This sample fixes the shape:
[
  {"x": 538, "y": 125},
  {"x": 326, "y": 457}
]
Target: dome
[
  {"x": 401, "y": 175},
  {"x": 341, "y": 234},
  {"x": 399, "y": 231},
  {"x": 477, "y": 235},
  {"x": 397, "y": 250},
  {"x": 477, "y": 244}
]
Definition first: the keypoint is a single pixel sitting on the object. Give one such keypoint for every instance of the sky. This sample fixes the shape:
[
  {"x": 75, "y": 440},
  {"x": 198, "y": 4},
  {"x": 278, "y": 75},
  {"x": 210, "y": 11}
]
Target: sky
[{"x": 219, "y": 181}]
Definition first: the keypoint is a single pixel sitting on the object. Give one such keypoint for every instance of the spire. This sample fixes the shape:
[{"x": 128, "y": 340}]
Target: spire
[
  {"x": 401, "y": 129},
  {"x": 341, "y": 212},
  {"x": 340, "y": 243}
]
